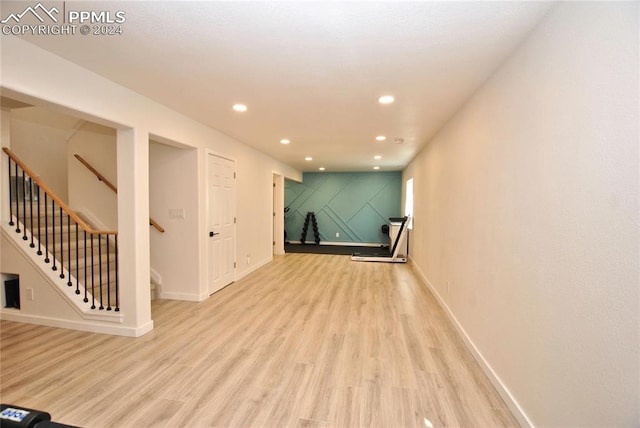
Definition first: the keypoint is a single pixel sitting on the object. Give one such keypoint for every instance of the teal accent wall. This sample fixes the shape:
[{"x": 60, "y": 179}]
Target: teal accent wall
[{"x": 353, "y": 204}]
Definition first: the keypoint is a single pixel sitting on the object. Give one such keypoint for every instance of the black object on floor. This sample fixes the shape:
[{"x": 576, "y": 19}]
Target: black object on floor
[
  {"x": 331, "y": 249},
  {"x": 22, "y": 417},
  {"x": 12, "y": 293},
  {"x": 311, "y": 217}
]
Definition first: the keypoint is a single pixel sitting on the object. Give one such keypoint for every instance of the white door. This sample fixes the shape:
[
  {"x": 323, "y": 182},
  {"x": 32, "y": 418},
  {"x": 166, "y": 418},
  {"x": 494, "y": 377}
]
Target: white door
[{"x": 221, "y": 188}]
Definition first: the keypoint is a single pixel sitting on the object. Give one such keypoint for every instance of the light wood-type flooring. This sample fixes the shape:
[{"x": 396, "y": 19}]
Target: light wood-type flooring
[{"x": 308, "y": 340}]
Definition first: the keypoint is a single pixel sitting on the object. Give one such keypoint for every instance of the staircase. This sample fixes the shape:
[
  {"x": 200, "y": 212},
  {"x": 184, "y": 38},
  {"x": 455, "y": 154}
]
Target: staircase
[{"x": 82, "y": 257}]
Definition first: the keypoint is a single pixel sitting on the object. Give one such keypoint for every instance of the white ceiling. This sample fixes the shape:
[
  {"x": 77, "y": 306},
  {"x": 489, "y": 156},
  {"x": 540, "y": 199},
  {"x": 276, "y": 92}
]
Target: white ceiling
[{"x": 309, "y": 71}]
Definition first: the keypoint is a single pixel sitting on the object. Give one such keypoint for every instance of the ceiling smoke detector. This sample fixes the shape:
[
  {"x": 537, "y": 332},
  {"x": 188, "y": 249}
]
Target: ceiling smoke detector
[{"x": 399, "y": 140}]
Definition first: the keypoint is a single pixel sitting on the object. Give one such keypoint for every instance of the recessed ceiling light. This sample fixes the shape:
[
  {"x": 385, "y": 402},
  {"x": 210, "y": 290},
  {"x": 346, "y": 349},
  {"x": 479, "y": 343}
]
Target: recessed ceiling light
[
  {"x": 386, "y": 99},
  {"x": 376, "y": 167},
  {"x": 240, "y": 107},
  {"x": 321, "y": 168},
  {"x": 381, "y": 138},
  {"x": 376, "y": 157},
  {"x": 399, "y": 140},
  {"x": 308, "y": 158},
  {"x": 284, "y": 141}
]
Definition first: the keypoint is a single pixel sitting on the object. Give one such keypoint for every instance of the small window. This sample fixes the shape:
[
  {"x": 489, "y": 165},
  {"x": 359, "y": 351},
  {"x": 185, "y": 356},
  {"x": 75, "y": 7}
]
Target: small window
[{"x": 408, "y": 202}]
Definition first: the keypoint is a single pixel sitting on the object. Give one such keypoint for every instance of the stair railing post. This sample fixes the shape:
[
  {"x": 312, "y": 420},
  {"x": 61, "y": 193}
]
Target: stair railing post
[
  {"x": 61, "y": 245},
  {"x": 11, "y": 193},
  {"x": 77, "y": 261},
  {"x": 17, "y": 176},
  {"x": 53, "y": 234},
  {"x": 46, "y": 229},
  {"x": 32, "y": 244},
  {"x": 86, "y": 284},
  {"x": 108, "y": 275},
  {"x": 100, "y": 270},
  {"x": 117, "y": 275},
  {"x": 39, "y": 228},
  {"x": 93, "y": 279},
  {"x": 24, "y": 208},
  {"x": 69, "y": 282}
]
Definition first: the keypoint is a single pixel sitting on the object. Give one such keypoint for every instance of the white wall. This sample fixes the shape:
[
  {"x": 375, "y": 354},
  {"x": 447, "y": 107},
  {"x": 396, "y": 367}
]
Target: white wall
[
  {"x": 5, "y": 139},
  {"x": 30, "y": 74},
  {"x": 87, "y": 195},
  {"x": 39, "y": 139},
  {"x": 255, "y": 198},
  {"x": 173, "y": 178},
  {"x": 526, "y": 219}
]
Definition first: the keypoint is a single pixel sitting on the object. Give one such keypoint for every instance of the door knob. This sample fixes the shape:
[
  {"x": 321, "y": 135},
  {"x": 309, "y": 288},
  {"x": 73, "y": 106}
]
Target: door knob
[{"x": 213, "y": 234}]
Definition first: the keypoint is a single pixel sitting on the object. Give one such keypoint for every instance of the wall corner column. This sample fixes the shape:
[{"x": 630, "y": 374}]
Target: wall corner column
[{"x": 133, "y": 229}]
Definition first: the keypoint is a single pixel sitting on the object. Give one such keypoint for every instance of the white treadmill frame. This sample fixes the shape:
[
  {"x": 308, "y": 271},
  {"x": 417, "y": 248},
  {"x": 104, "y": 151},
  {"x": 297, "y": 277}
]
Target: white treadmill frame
[{"x": 393, "y": 257}]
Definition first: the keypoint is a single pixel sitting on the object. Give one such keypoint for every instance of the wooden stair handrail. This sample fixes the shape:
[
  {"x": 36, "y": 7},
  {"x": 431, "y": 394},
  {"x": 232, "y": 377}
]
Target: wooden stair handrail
[
  {"x": 55, "y": 197},
  {"x": 96, "y": 173},
  {"x": 111, "y": 186}
]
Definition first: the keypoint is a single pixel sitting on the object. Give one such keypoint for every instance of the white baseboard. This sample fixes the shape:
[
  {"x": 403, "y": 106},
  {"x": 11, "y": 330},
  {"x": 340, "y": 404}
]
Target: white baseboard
[
  {"x": 182, "y": 296},
  {"x": 253, "y": 268},
  {"x": 203, "y": 297},
  {"x": 502, "y": 389},
  {"x": 74, "y": 325}
]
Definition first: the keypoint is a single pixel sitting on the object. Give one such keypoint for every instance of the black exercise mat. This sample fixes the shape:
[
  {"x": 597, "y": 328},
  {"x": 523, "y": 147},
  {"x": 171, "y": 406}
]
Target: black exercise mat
[{"x": 332, "y": 249}]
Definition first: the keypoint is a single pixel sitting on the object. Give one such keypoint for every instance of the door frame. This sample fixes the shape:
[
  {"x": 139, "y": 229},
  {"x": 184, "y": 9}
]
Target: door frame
[
  {"x": 277, "y": 208},
  {"x": 209, "y": 152}
]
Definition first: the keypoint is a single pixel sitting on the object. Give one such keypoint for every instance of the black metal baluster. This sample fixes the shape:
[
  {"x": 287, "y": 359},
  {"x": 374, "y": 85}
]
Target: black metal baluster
[
  {"x": 100, "y": 269},
  {"x": 11, "y": 223},
  {"x": 93, "y": 288},
  {"x": 69, "y": 283},
  {"x": 24, "y": 208},
  {"x": 77, "y": 261},
  {"x": 86, "y": 298},
  {"x": 53, "y": 234},
  {"x": 46, "y": 229},
  {"x": 108, "y": 275},
  {"x": 17, "y": 202},
  {"x": 117, "y": 273},
  {"x": 39, "y": 231},
  {"x": 32, "y": 244},
  {"x": 61, "y": 245}
]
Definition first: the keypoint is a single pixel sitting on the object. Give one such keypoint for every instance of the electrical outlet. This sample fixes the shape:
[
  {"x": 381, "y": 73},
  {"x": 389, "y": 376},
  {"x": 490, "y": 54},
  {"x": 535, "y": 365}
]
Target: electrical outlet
[
  {"x": 337, "y": 234},
  {"x": 29, "y": 295},
  {"x": 248, "y": 259}
]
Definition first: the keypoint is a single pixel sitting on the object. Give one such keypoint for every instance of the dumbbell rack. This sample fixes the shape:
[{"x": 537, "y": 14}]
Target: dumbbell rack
[{"x": 311, "y": 217}]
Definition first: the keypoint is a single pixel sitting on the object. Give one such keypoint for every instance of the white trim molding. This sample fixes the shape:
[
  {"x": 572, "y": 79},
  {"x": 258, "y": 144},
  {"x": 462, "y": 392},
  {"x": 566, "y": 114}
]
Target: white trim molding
[{"x": 502, "y": 389}]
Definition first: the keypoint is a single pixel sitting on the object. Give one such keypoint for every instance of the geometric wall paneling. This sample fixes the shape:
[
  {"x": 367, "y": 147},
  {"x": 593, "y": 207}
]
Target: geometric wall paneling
[{"x": 352, "y": 204}]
